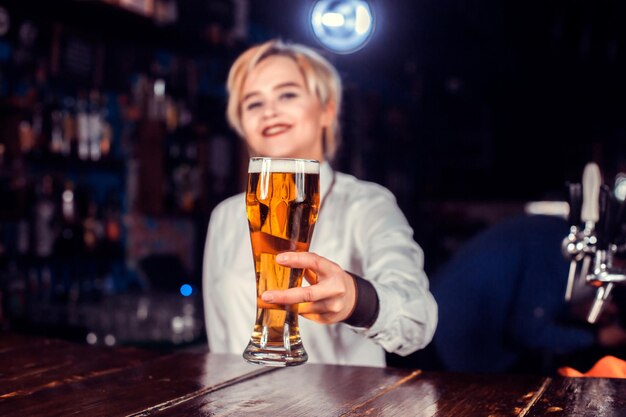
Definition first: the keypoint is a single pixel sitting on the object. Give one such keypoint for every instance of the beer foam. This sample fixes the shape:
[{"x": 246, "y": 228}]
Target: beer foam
[{"x": 308, "y": 166}]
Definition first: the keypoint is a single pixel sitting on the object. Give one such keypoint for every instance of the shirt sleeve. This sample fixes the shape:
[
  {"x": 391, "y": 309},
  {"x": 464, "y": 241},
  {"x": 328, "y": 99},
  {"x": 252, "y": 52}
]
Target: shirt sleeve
[
  {"x": 215, "y": 328},
  {"x": 393, "y": 262}
]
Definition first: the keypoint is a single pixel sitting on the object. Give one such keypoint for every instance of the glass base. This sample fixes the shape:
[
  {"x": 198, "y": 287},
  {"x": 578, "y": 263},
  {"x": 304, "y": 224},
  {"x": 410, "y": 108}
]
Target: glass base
[{"x": 275, "y": 356}]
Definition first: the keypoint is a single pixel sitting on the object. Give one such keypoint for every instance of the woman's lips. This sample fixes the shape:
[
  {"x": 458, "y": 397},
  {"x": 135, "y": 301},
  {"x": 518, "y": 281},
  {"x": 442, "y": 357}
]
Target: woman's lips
[{"x": 275, "y": 130}]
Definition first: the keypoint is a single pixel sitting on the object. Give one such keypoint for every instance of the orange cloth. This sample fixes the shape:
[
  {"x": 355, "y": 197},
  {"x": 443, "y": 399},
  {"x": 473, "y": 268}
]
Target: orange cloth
[{"x": 607, "y": 367}]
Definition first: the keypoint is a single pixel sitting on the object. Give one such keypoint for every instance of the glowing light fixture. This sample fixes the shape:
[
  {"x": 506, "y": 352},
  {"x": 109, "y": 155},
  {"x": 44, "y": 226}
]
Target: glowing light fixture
[
  {"x": 186, "y": 290},
  {"x": 333, "y": 20},
  {"x": 342, "y": 26}
]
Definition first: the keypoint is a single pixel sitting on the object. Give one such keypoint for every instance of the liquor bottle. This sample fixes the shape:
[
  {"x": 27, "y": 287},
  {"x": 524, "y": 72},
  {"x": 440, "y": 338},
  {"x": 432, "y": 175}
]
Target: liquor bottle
[
  {"x": 93, "y": 230},
  {"x": 37, "y": 125},
  {"x": 68, "y": 117},
  {"x": 68, "y": 211},
  {"x": 112, "y": 225},
  {"x": 68, "y": 247},
  {"x": 93, "y": 234},
  {"x": 56, "y": 131},
  {"x": 82, "y": 129},
  {"x": 44, "y": 219},
  {"x": 106, "y": 138},
  {"x": 94, "y": 128}
]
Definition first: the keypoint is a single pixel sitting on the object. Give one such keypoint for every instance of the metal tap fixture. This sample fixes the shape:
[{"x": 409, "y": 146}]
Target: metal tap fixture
[
  {"x": 599, "y": 242},
  {"x": 573, "y": 244}
]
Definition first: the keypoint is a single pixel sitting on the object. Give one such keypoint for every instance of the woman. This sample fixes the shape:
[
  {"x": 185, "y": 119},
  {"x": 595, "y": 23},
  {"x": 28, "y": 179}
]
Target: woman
[{"x": 284, "y": 101}]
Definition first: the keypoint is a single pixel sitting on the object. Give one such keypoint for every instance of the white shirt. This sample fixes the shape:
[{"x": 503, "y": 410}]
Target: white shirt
[{"x": 361, "y": 228}]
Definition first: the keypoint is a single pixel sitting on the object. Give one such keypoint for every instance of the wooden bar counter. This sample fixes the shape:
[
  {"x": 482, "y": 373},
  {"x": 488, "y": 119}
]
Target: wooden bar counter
[{"x": 44, "y": 377}]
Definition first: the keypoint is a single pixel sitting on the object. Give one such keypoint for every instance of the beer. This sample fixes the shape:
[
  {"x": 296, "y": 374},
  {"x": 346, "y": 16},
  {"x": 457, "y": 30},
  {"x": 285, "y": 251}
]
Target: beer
[{"x": 282, "y": 203}]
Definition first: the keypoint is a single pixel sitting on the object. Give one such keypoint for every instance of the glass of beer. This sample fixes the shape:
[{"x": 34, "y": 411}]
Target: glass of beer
[{"x": 282, "y": 201}]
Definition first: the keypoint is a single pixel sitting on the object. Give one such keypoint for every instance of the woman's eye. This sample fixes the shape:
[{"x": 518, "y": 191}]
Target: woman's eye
[
  {"x": 253, "y": 105},
  {"x": 288, "y": 95}
]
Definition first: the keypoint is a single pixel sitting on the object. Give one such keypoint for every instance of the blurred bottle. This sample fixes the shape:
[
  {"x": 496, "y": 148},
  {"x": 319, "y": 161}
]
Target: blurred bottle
[
  {"x": 56, "y": 131},
  {"x": 45, "y": 212},
  {"x": 26, "y": 137},
  {"x": 112, "y": 225},
  {"x": 69, "y": 129},
  {"x": 93, "y": 230},
  {"x": 39, "y": 139},
  {"x": 2, "y": 155},
  {"x": 95, "y": 125},
  {"x": 68, "y": 247},
  {"x": 106, "y": 136},
  {"x": 82, "y": 128},
  {"x": 93, "y": 235}
]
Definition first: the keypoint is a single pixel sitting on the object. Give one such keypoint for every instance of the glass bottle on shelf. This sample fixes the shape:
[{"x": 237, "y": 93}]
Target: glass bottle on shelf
[
  {"x": 82, "y": 128},
  {"x": 68, "y": 247},
  {"x": 68, "y": 117},
  {"x": 94, "y": 128},
  {"x": 44, "y": 219},
  {"x": 56, "y": 131}
]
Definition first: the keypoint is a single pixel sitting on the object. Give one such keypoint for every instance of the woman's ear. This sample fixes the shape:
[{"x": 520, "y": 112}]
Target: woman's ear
[{"x": 329, "y": 112}]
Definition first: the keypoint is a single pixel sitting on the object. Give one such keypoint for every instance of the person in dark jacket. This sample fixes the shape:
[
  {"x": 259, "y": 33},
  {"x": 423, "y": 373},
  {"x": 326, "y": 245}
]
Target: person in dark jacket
[{"x": 501, "y": 303}]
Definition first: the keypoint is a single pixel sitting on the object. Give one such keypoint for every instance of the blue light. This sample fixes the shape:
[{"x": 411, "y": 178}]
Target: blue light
[
  {"x": 343, "y": 26},
  {"x": 186, "y": 290}
]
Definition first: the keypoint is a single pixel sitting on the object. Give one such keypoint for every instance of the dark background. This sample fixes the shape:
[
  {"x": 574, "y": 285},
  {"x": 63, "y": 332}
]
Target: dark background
[
  {"x": 484, "y": 105},
  {"x": 496, "y": 100}
]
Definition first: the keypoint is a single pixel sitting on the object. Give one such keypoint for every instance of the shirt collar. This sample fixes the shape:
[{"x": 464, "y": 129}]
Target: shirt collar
[{"x": 326, "y": 179}]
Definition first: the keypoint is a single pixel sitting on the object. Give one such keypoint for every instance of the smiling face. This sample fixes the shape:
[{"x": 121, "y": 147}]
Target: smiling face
[{"x": 279, "y": 116}]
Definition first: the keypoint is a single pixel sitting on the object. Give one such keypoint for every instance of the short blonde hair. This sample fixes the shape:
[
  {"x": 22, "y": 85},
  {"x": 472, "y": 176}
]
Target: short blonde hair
[{"x": 320, "y": 76}]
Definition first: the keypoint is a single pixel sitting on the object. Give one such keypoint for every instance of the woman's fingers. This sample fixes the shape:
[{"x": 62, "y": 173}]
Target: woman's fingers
[
  {"x": 315, "y": 269},
  {"x": 292, "y": 295},
  {"x": 307, "y": 260},
  {"x": 328, "y": 299},
  {"x": 310, "y": 276}
]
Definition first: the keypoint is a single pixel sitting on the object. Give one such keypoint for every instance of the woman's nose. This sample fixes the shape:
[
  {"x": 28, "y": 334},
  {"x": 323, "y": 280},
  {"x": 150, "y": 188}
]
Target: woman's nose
[{"x": 270, "y": 109}]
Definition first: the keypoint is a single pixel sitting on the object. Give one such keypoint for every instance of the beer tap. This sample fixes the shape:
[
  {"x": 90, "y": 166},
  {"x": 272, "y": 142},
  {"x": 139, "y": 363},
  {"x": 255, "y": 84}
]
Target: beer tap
[
  {"x": 573, "y": 244},
  {"x": 619, "y": 236},
  {"x": 590, "y": 214},
  {"x": 601, "y": 241},
  {"x": 605, "y": 276}
]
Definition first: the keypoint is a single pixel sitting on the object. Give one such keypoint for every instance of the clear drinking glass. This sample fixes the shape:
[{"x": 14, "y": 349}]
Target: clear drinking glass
[{"x": 282, "y": 202}]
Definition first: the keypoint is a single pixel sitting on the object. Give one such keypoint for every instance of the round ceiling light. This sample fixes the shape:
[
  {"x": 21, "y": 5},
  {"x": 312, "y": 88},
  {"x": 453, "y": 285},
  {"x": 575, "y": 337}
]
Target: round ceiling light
[{"x": 342, "y": 26}]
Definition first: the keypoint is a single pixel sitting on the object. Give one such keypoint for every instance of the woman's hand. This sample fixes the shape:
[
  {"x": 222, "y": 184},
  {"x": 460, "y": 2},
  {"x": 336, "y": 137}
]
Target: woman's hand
[{"x": 331, "y": 296}]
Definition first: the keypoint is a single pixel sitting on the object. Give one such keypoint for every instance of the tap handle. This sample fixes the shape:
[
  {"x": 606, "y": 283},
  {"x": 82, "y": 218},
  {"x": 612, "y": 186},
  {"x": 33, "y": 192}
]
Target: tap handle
[
  {"x": 571, "y": 279},
  {"x": 575, "y": 202},
  {"x": 620, "y": 223},
  {"x": 590, "y": 212},
  {"x": 602, "y": 294},
  {"x": 604, "y": 226}
]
